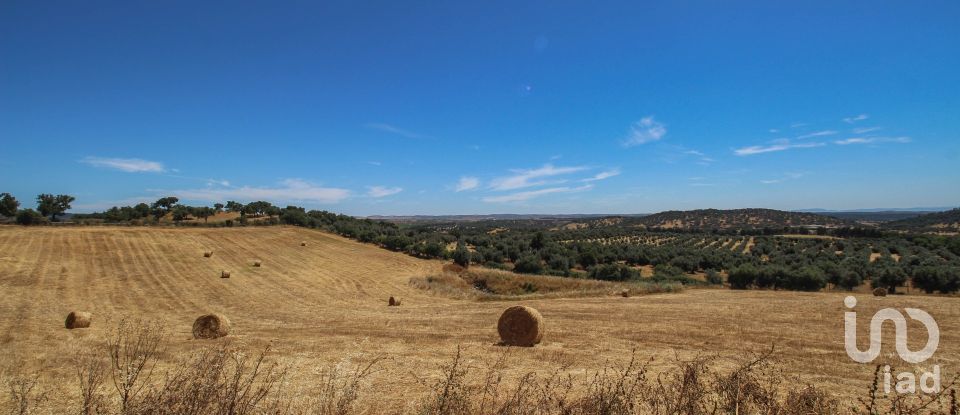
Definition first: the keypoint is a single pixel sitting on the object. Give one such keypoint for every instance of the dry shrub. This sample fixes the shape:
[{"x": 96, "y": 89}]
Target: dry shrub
[
  {"x": 25, "y": 396},
  {"x": 218, "y": 380},
  {"x": 224, "y": 274},
  {"x": 879, "y": 292},
  {"x": 943, "y": 402},
  {"x": 207, "y": 254},
  {"x": 693, "y": 387},
  {"x": 78, "y": 320},
  {"x": 521, "y": 326},
  {"x": 393, "y": 301},
  {"x": 90, "y": 368},
  {"x": 134, "y": 349},
  {"x": 211, "y": 326}
]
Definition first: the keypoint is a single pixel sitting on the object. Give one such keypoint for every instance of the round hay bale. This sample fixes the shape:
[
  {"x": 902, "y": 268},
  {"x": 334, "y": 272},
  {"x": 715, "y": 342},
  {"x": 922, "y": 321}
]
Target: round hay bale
[
  {"x": 78, "y": 320},
  {"x": 211, "y": 326},
  {"x": 394, "y": 301},
  {"x": 879, "y": 292},
  {"x": 304, "y": 243},
  {"x": 256, "y": 264},
  {"x": 521, "y": 326},
  {"x": 208, "y": 254},
  {"x": 224, "y": 274},
  {"x": 625, "y": 293}
]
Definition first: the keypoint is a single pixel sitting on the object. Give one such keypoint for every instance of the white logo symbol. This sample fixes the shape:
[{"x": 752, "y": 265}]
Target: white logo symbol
[{"x": 876, "y": 326}]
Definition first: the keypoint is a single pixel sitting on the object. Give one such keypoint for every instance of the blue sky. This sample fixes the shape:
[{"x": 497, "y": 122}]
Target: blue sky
[{"x": 484, "y": 107}]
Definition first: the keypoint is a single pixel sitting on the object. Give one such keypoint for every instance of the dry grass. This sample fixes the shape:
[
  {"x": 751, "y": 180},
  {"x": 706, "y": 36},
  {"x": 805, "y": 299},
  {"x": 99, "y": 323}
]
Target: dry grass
[
  {"x": 490, "y": 285},
  {"x": 318, "y": 303}
]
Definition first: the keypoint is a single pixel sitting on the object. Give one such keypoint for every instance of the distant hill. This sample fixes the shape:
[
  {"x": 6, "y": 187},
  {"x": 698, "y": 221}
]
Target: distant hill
[
  {"x": 737, "y": 219},
  {"x": 948, "y": 221},
  {"x": 874, "y": 216}
]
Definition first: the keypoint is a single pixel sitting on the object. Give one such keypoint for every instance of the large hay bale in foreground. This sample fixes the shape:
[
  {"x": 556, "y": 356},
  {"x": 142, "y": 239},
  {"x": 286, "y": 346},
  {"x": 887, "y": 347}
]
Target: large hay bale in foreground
[
  {"x": 207, "y": 254},
  {"x": 211, "y": 326},
  {"x": 224, "y": 274},
  {"x": 394, "y": 301},
  {"x": 520, "y": 326},
  {"x": 879, "y": 292},
  {"x": 78, "y": 320}
]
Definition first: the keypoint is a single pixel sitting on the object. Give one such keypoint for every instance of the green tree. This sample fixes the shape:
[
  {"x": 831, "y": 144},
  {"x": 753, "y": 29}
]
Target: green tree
[
  {"x": 163, "y": 205},
  {"x": 203, "y": 212},
  {"x": 218, "y": 207},
  {"x": 237, "y": 207},
  {"x": 29, "y": 217},
  {"x": 8, "y": 205},
  {"x": 461, "y": 256},
  {"x": 50, "y": 205}
]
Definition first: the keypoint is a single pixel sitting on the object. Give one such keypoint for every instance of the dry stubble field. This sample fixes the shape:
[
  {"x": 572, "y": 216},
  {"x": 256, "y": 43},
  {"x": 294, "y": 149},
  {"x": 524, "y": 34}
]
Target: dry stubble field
[{"x": 325, "y": 302}]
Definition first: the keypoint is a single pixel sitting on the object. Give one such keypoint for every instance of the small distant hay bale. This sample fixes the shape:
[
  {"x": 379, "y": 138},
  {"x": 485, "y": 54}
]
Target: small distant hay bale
[
  {"x": 454, "y": 268},
  {"x": 625, "y": 293},
  {"x": 207, "y": 254},
  {"x": 224, "y": 274},
  {"x": 521, "y": 326},
  {"x": 211, "y": 326},
  {"x": 879, "y": 292},
  {"x": 78, "y": 320},
  {"x": 303, "y": 243},
  {"x": 394, "y": 301},
  {"x": 256, "y": 264}
]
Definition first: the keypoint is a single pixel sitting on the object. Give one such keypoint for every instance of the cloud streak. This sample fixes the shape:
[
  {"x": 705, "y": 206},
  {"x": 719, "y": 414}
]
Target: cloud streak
[
  {"x": 780, "y": 146},
  {"x": 851, "y": 120},
  {"x": 871, "y": 140},
  {"x": 533, "y": 177},
  {"x": 382, "y": 191},
  {"x": 644, "y": 131},
  {"x": 524, "y": 196},
  {"x": 387, "y": 128},
  {"x": 467, "y": 183},
  {"x": 602, "y": 175},
  {"x": 126, "y": 165}
]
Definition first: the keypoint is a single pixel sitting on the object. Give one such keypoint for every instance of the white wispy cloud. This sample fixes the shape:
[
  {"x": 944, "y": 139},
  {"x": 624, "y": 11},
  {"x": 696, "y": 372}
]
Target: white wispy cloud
[
  {"x": 774, "y": 130},
  {"x": 467, "y": 183},
  {"x": 865, "y": 130},
  {"x": 798, "y": 125},
  {"x": 394, "y": 130},
  {"x": 851, "y": 120},
  {"x": 374, "y": 163},
  {"x": 289, "y": 190},
  {"x": 817, "y": 134},
  {"x": 645, "y": 131},
  {"x": 532, "y": 177},
  {"x": 127, "y": 165},
  {"x": 602, "y": 175},
  {"x": 870, "y": 140},
  {"x": 778, "y": 146},
  {"x": 523, "y": 196},
  {"x": 786, "y": 176},
  {"x": 703, "y": 158},
  {"x": 382, "y": 191}
]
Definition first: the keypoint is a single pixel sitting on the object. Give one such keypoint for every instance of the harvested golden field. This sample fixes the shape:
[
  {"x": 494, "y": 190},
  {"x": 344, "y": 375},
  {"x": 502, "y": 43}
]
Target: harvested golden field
[{"x": 326, "y": 302}]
